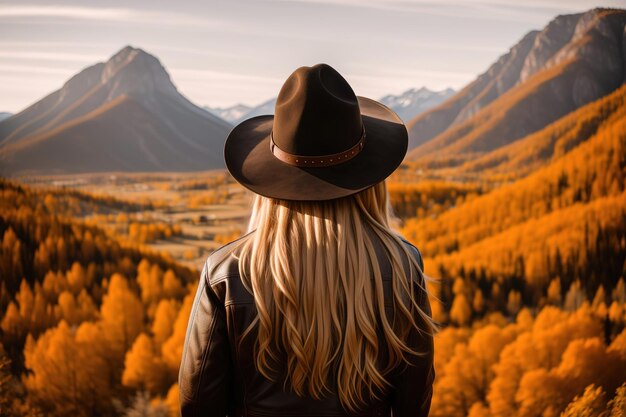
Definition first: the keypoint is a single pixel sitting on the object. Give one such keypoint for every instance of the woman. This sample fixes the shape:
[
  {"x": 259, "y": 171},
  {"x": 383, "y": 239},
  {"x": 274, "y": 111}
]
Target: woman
[{"x": 320, "y": 309}]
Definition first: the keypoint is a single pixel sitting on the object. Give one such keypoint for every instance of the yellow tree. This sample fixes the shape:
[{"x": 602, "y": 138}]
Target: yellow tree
[
  {"x": 514, "y": 302},
  {"x": 171, "y": 285},
  {"x": 618, "y": 403},
  {"x": 76, "y": 278},
  {"x": 41, "y": 260},
  {"x": 590, "y": 404},
  {"x": 173, "y": 347},
  {"x": 42, "y": 315},
  {"x": 461, "y": 312},
  {"x": 75, "y": 310},
  {"x": 575, "y": 296},
  {"x": 86, "y": 306},
  {"x": 61, "y": 254},
  {"x": 599, "y": 305},
  {"x": 66, "y": 309},
  {"x": 468, "y": 374},
  {"x": 12, "y": 324},
  {"x": 445, "y": 345},
  {"x": 11, "y": 267},
  {"x": 64, "y": 375},
  {"x": 143, "y": 368},
  {"x": 26, "y": 301},
  {"x": 122, "y": 316},
  {"x": 479, "y": 301},
  {"x": 164, "y": 319},
  {"x": 151, "y": 283},
  {"x": 584, "y": 362},
  {"x": 541, "y": 346},
  {"x": 479, "y": 410},
  {"x": 554, "y": 292},
  {"x": 53, "y": 285},
  {"x": 93, "y": 341},
  {"x": 172, "y": 401}
]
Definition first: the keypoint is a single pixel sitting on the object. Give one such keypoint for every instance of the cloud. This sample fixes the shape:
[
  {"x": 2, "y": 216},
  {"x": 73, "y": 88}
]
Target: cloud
[
  {"x": 70, "y": 12},
  {"x": 50, "y": 56},
  {"x": 418, "y": 5},
  {"x": 109, "y": 14},
  {"x": 38, "y": 69},
  {"x": 510, "y": 10},
  {"x": 198, "y": 74}
]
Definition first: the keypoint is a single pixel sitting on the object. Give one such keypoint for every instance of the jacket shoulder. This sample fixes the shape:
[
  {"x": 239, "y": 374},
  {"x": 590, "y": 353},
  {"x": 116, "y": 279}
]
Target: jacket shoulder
[
  {"x": 221, "y": 274},
  {"x": 413, "y": 250},
  {"x": 222, "y": 263}
]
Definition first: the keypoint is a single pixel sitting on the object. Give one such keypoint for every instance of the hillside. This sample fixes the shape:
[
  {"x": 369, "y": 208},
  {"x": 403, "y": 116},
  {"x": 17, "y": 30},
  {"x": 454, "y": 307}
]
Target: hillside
[
  {"x": 576, "y": 59},
  {"x": 540, "y": 148},
  {"x": 122, "y": 115},
  {"x": 566, "y": 219}
]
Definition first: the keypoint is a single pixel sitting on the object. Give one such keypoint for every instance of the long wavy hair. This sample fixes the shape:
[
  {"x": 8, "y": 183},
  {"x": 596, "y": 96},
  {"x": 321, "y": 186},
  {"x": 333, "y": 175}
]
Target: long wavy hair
[{"x": 318, "y": 290}]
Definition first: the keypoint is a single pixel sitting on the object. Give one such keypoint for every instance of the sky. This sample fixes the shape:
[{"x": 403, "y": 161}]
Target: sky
[{"x": 220, "y": 53}]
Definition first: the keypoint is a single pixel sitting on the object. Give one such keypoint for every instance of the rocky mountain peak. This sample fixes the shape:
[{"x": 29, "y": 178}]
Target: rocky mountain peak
[
  {"x": 132, "y": 70},
  {"x": 552, "y": 38}
]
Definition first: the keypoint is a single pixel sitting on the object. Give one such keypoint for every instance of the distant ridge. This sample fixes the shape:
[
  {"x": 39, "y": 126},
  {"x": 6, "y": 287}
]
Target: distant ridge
[
  {"x": 122, "y": 115},
  {"x": 267, "y": 107},
  {"x": 573, "y": 61},
  {"x": 415, "y": 101},
  {"x": 230, "y": 114},
  {"x": 407, "y": 105}
]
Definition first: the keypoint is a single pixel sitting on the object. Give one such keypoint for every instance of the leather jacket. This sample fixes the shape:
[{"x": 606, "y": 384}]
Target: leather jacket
[{"x": 218, "y": 378}]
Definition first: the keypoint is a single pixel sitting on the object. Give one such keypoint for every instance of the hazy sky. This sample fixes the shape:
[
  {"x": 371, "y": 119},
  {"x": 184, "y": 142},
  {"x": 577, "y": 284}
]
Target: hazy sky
[{"x": 220, "y": 53}]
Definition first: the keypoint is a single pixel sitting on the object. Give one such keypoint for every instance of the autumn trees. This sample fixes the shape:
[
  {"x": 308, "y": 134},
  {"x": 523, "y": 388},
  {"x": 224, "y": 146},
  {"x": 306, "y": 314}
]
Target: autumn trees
[
  {"x": 553, "y": 237},
  {"x": 531, "y": 289},
  {"x": 84, "y": 318},
  {"x": 532, "y": 366}
]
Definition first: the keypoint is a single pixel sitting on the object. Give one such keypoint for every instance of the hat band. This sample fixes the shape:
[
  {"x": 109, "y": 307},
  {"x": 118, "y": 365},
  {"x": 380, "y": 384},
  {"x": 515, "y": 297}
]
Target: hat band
[{"x": 316, "y": 160}]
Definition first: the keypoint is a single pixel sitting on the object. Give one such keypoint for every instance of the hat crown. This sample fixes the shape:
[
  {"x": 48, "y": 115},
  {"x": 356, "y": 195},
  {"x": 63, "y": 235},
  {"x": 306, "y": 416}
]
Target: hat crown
[{"x": 316, "y": 113}]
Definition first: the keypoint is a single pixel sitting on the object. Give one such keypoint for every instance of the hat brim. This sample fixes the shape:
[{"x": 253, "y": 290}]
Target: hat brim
[{"x": 250, "y": 161}]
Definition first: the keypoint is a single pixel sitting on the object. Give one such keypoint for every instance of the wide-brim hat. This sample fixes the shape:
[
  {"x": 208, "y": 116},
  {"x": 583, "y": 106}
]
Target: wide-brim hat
[{"x": 323, "y": 142}]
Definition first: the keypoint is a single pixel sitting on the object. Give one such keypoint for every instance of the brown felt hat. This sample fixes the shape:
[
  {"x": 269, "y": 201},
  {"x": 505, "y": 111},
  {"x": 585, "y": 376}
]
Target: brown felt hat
[{"x": 323, "y": 142}]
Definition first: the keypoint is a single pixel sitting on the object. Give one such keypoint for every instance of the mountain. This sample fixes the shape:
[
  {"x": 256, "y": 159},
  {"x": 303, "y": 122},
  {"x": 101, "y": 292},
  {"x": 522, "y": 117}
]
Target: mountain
[
  {"x": 538, "y": 149},
  {"x": 121, "y": 115},
  {"x": 230, "y": 114},
  {"x": 5, "y": 115},
  {"x": 407, "y": 105},
  {"x": 241, "y": 112},
  {"x": 574, "y": 60},
  {"x": 267, "y": 107},
  {"x": 415, "y": 101}
]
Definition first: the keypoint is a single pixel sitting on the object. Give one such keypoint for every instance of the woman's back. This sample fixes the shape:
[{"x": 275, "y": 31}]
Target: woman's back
[
  {"x": 218, "y": 376},
  {"x": 321, "y": 309}
]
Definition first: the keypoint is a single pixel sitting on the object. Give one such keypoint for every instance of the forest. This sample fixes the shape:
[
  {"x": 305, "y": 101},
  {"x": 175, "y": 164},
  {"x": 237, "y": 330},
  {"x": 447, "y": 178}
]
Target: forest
[{"x": 529, "y": 285}]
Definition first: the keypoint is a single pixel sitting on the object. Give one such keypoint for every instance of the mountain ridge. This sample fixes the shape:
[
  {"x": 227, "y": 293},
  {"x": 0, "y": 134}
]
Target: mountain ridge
[
  {"x": 406, "y": 104},
  {"x": 415, "y": 101},
  {"x": 134, "y": 80},
  {"x": 556, "y": 80}
]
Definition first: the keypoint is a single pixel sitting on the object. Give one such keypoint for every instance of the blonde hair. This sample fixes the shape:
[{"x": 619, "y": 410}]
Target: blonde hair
[{"x": 318, "y": 290}]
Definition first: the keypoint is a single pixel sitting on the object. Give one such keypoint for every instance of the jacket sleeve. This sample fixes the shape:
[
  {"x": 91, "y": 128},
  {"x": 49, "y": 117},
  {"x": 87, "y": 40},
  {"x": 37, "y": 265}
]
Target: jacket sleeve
[
  {"x": 205, "y": 373},
  {"x": 414, "y": 383}
]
